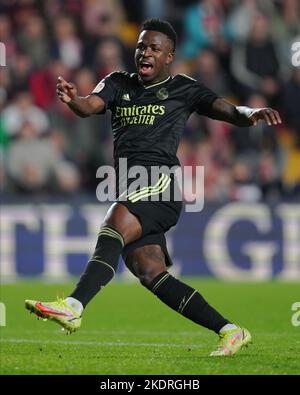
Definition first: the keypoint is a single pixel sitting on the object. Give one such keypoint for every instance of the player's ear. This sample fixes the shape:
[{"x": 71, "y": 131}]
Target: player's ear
[{"x": 170, "y": 58}]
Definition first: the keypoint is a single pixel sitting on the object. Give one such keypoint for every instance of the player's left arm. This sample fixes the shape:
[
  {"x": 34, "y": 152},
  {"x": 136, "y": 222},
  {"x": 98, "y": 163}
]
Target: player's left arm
[{"x": 223, "y": 110}]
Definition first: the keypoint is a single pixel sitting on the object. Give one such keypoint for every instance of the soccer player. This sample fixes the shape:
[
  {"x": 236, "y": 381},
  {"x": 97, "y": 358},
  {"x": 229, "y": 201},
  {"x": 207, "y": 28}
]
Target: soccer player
[{"x": 149, "y": 109}]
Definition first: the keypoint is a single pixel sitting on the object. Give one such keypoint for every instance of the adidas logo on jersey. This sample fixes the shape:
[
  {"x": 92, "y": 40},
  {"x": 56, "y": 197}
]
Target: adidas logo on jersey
[{"x": 126, "y": 97}]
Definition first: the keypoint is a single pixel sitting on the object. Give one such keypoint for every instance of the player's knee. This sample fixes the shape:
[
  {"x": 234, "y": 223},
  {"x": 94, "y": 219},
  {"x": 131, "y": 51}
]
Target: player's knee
[
  {"x": 146, "y": 263},
  {"x": 152, "y": 265},
  {"x": 119, "y": 218},
  {"x": 147, "y": 277}
]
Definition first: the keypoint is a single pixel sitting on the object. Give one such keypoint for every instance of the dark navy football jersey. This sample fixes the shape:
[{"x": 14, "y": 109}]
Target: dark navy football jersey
[{"x": 148, "y": 121}]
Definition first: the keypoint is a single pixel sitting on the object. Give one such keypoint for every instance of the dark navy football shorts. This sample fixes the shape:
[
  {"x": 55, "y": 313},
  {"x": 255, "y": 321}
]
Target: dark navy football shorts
[{"x": 157, "y": 204}]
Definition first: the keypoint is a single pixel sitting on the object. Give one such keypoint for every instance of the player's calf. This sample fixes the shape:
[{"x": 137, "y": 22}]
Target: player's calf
[{"x": 186, "y": 301}]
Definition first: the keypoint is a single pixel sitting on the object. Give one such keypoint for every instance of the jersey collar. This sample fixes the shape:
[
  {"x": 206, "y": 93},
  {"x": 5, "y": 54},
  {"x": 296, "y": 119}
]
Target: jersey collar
[{"x": 151, "y": 86}]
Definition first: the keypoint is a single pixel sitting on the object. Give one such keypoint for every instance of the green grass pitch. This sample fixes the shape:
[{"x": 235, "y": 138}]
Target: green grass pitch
[{"x": 127, "y": 330}]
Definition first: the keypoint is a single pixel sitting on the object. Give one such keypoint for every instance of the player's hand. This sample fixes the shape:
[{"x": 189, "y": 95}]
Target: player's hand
[
  {"x": 271, "y": 116},
  {"x": 65, "y": 90}
]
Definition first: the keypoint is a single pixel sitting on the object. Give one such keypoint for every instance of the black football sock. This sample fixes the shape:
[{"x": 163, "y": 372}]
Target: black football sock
[
  {"x": 186, "y": 301},
  {"x": 101, "y": 267}
]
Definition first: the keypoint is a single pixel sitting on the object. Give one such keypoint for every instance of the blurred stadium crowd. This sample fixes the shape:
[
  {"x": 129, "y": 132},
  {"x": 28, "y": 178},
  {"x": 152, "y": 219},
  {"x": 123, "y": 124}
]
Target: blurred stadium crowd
[{"x": 241, "y": 49}]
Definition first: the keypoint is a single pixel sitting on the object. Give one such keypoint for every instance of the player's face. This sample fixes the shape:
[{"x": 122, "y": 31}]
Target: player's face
[{"x": 153, "y": 56}]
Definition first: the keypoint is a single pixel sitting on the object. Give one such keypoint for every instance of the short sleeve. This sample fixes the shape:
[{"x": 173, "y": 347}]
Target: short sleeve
[
  {"x": 107, "y": 89},
  {"x": 201, "y": 98}
]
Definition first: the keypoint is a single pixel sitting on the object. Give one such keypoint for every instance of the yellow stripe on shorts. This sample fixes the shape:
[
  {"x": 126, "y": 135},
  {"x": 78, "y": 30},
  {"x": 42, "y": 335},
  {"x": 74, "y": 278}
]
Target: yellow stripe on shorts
[{"x": 158, "y": 188}]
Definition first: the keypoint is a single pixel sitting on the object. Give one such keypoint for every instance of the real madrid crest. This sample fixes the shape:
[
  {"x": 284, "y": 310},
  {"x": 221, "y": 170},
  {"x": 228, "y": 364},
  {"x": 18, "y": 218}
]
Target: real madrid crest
[{"x": 162, "y": 94}]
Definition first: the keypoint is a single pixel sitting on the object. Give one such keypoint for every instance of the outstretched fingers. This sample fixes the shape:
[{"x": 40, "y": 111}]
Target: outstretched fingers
[
  {"x": 277, "y": 116},
  {"x": 271, "y": 116},
  {"x": 64, "y": 89},
  {"x": 64, "y": 83},
  {"x": 267, "y": 116}
]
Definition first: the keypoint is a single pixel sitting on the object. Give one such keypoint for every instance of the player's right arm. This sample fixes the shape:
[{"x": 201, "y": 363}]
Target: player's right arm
[
  {"x": 241, "y": 116},
  {"x": 81, "y": 106}
]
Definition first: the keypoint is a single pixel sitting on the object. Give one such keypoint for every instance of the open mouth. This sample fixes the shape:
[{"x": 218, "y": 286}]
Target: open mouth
[{"x": 145, "y": 68}]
